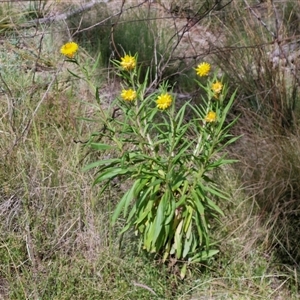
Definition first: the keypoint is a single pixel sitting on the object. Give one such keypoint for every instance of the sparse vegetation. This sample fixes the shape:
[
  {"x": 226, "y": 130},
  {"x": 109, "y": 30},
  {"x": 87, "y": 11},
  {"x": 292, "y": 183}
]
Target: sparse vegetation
[{"x": 56, "y": 240}]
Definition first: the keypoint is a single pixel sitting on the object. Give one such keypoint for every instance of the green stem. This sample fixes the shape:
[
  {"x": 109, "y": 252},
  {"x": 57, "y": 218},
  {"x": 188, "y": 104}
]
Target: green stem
[
  {"x": 103, "y": 115},
  {"x": 141, "y": 127}
]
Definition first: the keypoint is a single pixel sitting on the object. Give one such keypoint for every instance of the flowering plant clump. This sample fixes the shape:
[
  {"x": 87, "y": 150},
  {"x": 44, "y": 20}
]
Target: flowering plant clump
[
  {"x": 69, "y": 49},
  {"x": 167, "y": 159}
]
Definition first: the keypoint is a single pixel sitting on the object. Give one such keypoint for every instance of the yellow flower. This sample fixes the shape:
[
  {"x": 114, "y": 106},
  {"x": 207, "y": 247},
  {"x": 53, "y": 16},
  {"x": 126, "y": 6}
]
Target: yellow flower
[
  {"x": 69, "y": 49},
  {"x": 128, "y": 95},
  {"x": 217, "y": 87},
  {"x": 203, "y": 69},
  {"x": 128, "y": 62},
  {"x": 211, "y": 117},
  {"x": 164, "y": 101}
]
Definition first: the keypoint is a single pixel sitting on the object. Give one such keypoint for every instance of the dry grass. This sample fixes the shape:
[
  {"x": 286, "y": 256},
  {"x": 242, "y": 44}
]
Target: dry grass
[
  {"x": 269, "y": 167},
  {"x": 268, "y": 103},
  {"x": 267, "y": 73}
]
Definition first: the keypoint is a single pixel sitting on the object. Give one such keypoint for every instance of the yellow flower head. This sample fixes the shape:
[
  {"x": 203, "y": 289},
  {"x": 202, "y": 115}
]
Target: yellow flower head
[
  {"x": 211, "y": 117},
  {"x": 128, "y": 62},
  {"x": 69, "y": 49},
  {"x": 164, "y": 101},
  {"x": 217, "y": 87},
  {"x": 128, "y": 95},
  {"x": 203, "y": 69}
]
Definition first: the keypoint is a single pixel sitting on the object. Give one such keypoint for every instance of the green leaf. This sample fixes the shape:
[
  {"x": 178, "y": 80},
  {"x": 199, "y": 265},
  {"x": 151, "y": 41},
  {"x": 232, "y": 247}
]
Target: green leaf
[
  {"x": 177, "y": 240},
  {"x": 188, "y": 219},
  {"x": 197, "y": 196},
  {"x": 97, "y": 95},
  {"x": 167, "y": 251},
  {"x": 99, "y": 146},
  {"x": 72, "y": 73},
  {"x": 181, "y": 200},
  {"x": 199, "y": 111},
  {"x": 182, "y": 152},
  {"x": 108, "y": 162},
  {"x": 183, "y": 271},
  {"x": 201, "y": 232},
  {"x": 232, "y": 140},
  {"x": 219, "y": 163},
  {"x": 200, "y": 208},
  {"x": 180, "y": 185},
  {"x": 128, "y": 225},
  {"x": 156, "y": 183},
  {"x": 214, "y": 206},
  {"x": 167, "y": 233},
  {"x": 148, "y": 236},
  {"x": 180, "y": 115},
  {"x": 134, "y": 211},
  {"x": 120, "y": 206},
  {"x": 162, "y": 238},
  {"x": 124, "y": 202},
  {"x": 216, "y": 192},
  {"x": 110, "y": 173},
  {"x": 158, "y": 222},
  {"x": 87, "y": 119},
  {"x": 134, "y": 192},
  {"x": 203, "y": 256},
  {"x": 143, "y": 213},
  {"x": 187, "y": 244},
  {"x": 171, "y": 212}
]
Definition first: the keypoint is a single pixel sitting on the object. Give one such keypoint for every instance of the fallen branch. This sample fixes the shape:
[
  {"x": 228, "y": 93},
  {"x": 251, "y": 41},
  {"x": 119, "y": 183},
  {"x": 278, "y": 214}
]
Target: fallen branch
[{"x": 67, "y": 15}]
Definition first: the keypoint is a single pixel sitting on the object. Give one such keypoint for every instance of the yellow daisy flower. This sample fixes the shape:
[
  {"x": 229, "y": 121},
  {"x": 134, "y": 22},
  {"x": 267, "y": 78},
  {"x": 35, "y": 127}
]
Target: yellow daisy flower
[
  {"x": 128, "y": 95},
  {"x": 217, "y": 87},
  {"x": 164, "y": 101},
  {"x": 69, "y": 49},
  {"x": 128, "y": 62},
  {"x": 211, "y": 117},
  {"x": 203, "y": 69}
]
